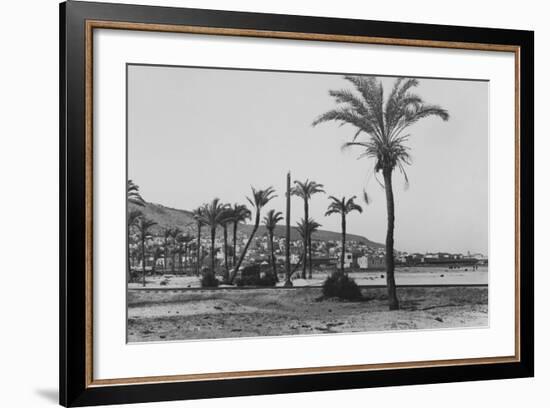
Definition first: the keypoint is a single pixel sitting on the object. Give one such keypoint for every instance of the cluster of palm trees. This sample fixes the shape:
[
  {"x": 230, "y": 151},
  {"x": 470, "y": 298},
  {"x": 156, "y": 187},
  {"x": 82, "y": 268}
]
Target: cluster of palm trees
[
  {"x": 176, "y": 243},
  {"x": 379, "y": 132},
  {"x": 216, "y": 214}
]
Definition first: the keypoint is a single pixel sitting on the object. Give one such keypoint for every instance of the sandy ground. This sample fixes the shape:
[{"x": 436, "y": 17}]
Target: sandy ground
[
  {"x": 225, "y": 313},
  {"x": 403, "y": 276}
]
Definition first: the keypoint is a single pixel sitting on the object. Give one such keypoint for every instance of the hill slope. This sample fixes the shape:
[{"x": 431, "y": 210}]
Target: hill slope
[{"x": 167, "y": 217}]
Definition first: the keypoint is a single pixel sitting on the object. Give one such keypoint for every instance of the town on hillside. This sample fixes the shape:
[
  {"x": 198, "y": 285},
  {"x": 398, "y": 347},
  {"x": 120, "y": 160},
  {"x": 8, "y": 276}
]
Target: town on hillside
[{"x": 182, "y": 256}]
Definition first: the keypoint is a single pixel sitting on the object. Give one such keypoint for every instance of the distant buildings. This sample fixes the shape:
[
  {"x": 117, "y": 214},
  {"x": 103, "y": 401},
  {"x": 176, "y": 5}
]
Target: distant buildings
[
  {"x": 358, "y": 256},
  {"x": 442, "y": 258},
  {"x": 372, "y": 262}
]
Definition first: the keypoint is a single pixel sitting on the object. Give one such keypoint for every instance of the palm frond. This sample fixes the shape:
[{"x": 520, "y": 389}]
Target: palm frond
[
  {"x": 261, "y": 197},
  {"x": 305, "y": 189},
  {"x": 133, "y": 217},
  {"x": 133, "y": 194},
  {"x": 380, "y": 123},
  {"x": 366, "y": 197},
  {"x": 342, "y": 206},
  {"x": 272, "y": 218}
]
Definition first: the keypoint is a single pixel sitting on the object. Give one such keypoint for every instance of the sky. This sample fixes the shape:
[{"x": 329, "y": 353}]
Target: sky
[{"x": 199, "y": 133}]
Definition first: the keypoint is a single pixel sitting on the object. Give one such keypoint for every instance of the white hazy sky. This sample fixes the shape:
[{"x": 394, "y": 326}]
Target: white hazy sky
[{"x": 196, "y": 133}]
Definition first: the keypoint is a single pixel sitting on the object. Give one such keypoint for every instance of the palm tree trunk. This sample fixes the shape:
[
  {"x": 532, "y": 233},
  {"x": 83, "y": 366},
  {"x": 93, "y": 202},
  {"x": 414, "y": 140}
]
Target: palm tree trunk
[
  {"x": 310, "y": 257},
  {"x": 243, "y": 254},
  {"x": 212, "y": 249},
  {"x": 273, "y": 263},
  {"x": 143, "y": 257},
  {"x": 287, "y": 232},
  {"x": 128, "y": 268},
  {"x": 297, "y": 265},
  {"x": 234, "y": 243},
  {"x": 390, "y": 267},
  {"x": 343, "y": 243},
  {"x": 165, "y": 256},
  {"x": 226, "y": 272},
  {"x": 180, "y": 260},
  {"x": 185, "y": 262},
  {"x": 198, "y": 249},
  {"x": 306, "y": 220}
]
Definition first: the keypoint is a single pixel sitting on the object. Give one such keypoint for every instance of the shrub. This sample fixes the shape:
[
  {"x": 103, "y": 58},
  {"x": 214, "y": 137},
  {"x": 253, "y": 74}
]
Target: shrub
[
  {"x": 251, "y": 276},
  {"x": 268, "y": 280},
  {"x": 340, "y": 285},
  {"x": 209, "y": 280}
]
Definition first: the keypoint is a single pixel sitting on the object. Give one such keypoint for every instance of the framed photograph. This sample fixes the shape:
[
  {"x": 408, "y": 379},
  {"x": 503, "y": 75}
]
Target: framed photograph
[{"x": 256, "y": 204}]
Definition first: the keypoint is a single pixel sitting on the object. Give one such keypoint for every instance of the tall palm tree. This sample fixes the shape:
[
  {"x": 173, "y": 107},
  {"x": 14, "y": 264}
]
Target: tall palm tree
[
  {"x": 240, "y": 214},
  {"x": 379, "y": 127},
  {"x": 271, "y": 220},
  {"x": 305, "y": 190},
  {"x": 133, "y": 217},
  {"x": 306, "y": 230},
  {"x": 213, "y": 215},
  {"x": 197, "y": 215},
  {"x": 343, "y": 207},
  {"x": 133, "y": 195},
  {"x": 258, "y": 200},
  {"x": 143, "y": 226}
]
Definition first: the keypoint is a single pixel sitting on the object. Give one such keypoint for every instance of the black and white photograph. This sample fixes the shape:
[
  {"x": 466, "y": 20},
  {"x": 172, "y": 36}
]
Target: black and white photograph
[{"x": 267, "y": 203}]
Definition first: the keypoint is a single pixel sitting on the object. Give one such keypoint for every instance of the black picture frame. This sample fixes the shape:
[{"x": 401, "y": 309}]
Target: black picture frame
[{"x": 74, "y": 387}]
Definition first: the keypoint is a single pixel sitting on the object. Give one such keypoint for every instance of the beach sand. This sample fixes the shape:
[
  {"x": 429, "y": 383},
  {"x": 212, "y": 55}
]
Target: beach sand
[{"x": 229, "y": 313}]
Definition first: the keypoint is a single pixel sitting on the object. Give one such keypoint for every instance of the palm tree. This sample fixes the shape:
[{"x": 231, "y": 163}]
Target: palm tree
[
  {"x": 306, "y": 230},
  {"x": 133, "y": 217},
  {"x": 213, "y": 214},
  {"x": 143, "y": 226},
  {"x": 133, "y": 195},
  {"x": 259, "y": 199},
  {"x": 240, "y": 214},
  {"x": 197, "y": 215},
  {"x": 305, "y": 190},
  {"x": 343, "y": 207},
  {"x": 271, "y": 220},
  {"x": 382, "y": 125}
]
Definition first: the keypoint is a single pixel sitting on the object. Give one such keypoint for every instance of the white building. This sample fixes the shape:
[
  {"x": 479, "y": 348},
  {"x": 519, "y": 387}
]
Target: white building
[
  {"x": 371, "y": 262},
  {"x": 348, "y": 259}
]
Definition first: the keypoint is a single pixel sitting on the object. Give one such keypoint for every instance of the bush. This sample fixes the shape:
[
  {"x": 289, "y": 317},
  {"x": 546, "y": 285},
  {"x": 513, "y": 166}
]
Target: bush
[
  {"x": 209, "y": 280},
  {"x": 268, "y": 280},
  {"x": 251, "y": 276},
  {"x": 340, "y": 285}
]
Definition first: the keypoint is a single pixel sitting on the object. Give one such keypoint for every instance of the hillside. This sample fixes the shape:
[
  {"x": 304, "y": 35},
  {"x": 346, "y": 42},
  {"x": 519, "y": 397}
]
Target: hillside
[{"x": 167, "y": 217}]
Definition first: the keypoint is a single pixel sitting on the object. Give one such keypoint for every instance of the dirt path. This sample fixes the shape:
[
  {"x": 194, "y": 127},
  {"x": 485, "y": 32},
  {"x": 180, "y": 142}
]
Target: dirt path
[{"x": 207, "y": 314}]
